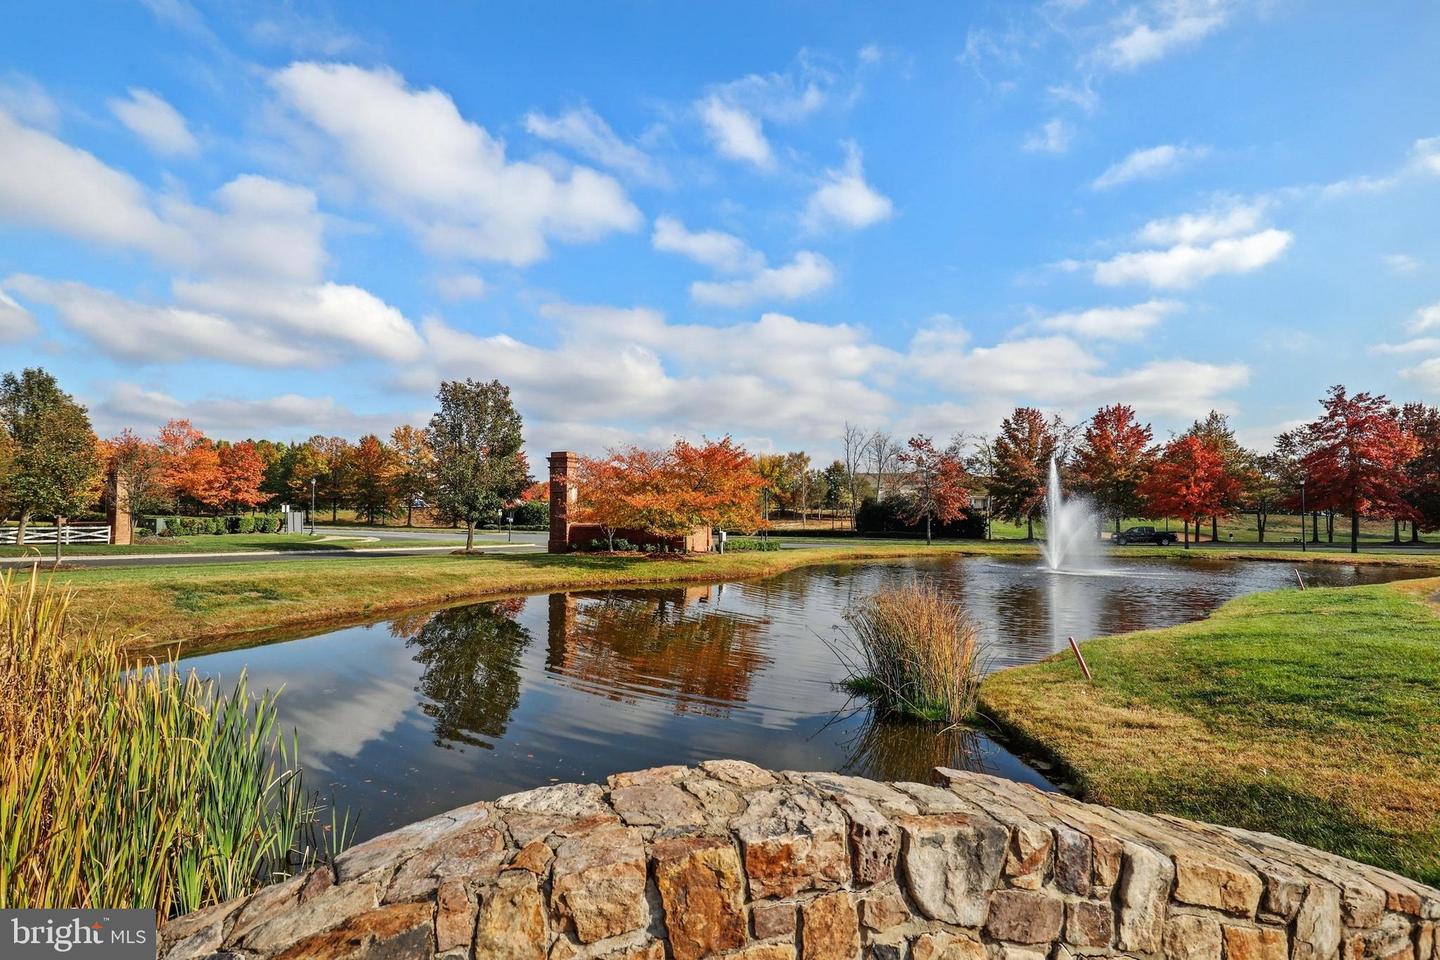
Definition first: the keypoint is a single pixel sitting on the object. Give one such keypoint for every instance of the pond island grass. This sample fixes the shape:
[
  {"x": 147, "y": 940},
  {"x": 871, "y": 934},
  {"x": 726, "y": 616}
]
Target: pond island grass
[
  {"x": 913, "y": 652},
  {"x": 141, "y": 788},
  {"x": 1314, "y": 715}
]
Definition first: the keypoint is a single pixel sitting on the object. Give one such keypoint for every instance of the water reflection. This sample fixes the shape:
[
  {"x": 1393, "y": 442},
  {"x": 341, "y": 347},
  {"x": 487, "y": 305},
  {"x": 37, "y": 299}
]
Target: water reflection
[{"x": 388, "y": 714}]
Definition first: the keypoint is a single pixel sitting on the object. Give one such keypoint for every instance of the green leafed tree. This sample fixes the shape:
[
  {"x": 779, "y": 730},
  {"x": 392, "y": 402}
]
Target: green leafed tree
[
  {"x": 54, "y": 459},
  {"x": 477, "y": 440}
]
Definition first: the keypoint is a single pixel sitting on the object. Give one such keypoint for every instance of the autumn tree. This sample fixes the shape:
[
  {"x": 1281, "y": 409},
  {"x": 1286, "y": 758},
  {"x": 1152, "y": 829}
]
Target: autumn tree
[
  {"x": 306, "y": 465},
  {"x": 1216, "y": 432},
  {"x": 476, "y": 439},
  {"x": 1022, "y": 452},
  {"x": 1111, "y": 460},
  {"x": 414, "y": 467},
  {"x": 242, "y": 471},
  {"x": 609, "y": 487},
  {"x": 1188, "y": 481},
  {"x": 1422, "y": 472},
  {"x": 335, "y": 483},
  {"x": 53, "y": 455},
  {"x": 139, "y": 469},
  {"x": 374, "y": 466},
  {"x": 1356, "y": 455},
  {"x": 719, "y": 485},
  {"x": 1266, "y": 487},
  {"x": 937, "y": 482},
  {"x": 190, "y": 464}
]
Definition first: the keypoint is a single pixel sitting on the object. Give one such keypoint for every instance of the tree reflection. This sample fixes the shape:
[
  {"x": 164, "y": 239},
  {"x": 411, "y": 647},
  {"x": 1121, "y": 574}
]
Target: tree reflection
[
  {"x": 471, "y": 659},
  {"x": 666, "y": 643},
  {"x": 889, "y": 749}
]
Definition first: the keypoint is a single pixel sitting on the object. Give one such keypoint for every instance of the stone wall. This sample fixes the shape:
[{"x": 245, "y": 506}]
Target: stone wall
[{"x": 729, "y": 860}]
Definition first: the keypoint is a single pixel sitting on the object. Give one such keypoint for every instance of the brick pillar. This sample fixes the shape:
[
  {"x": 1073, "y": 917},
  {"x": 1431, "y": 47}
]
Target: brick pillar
[
  {"x": 563, "y": 466},
  {"x": 117, "y": 510}
]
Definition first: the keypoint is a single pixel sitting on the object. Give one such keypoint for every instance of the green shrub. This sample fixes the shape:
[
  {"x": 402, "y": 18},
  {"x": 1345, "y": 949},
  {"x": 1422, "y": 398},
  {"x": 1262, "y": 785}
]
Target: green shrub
[
  {"x": 531, "y": 514},
  {"x": 746, "y": 544},
  {"x": 245, "y": 525}
]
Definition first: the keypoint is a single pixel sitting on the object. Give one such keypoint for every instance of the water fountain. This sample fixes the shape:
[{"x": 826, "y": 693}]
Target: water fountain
[{"x": 1071, "y": 544}]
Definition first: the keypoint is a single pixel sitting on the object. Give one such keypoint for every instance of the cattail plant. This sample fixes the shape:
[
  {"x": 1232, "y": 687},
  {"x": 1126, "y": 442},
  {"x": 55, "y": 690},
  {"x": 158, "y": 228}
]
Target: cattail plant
[
  {"x": 135, "y": 785},
  {"x": 914, "y": 652}
]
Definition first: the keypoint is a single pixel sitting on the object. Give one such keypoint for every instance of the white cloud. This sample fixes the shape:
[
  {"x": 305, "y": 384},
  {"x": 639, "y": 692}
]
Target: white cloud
[
  {"x": 1425, "y": 154},
  {"x": 1425, "y": 375},
  {"x": 1148, "y": 164},
  {"x": 15, "y": 321},
  {"x": 156, "y": 122},
  {"x": 807, "y": 274},
  {"x": 1203, "y": 227},
  {"x": 1401, "y": 263},
  {"x": 1053, "y": 137},
  {"x": 1426, "y": 318},
  {"x": 1185, "y": 265},
  {"x": 1113, "y": 323},
  {"x": 28, "y": 101},
  {"x": 257, "y": 226},
  {"x": 871, "y": 53},
  {"x": 733, "y": 114},
  {"x": 245, "y": 323},
  {"x": 845, "y": 199},
  {"x": 445, "y": 176},
  {"x": 736, "y": 133},
  {"x": 1057, "y": 372},
  {"x": 286, "y": 416},
  {"x": 1148, "y": 33},
  {"x": 1081, "y": 96},
  {"x": 720, "y": 251},
  {"x": 586, "y": 132},
  {"x": 461, "y": 286}
]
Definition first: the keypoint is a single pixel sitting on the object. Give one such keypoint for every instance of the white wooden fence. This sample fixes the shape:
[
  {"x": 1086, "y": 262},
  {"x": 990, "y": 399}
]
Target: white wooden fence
[{"x": 81, "y": 533}]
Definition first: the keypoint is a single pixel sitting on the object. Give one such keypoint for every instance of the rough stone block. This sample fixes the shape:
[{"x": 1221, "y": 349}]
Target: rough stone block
[
  {"x": 1144, "y": 892},
  {"x": 1205, "y": 881},
  {"x": 1073, "y": 861},
  {"x": 656, "y": 805},
  {"x": 399, "y": 930},
  {"x": 881, "y": 911},
  {"x": 738, "y": 772},
  {"x": 792, "y": 842},
  {"x": 1090, "y": 923},
  {"x": 1027, "y": 861},
  {"x": 701, "y": 888},
  {"x": 829, "y": 928},
  {"x": 770, "y": 919},
  {"x": 951, "y": 863},
  {"x": 1255, "y": 943},
  {"x": 1192, "y": 938},
  {"x": 511, "y": 923},
  {"x": 598, "y": 882},
  {"x": 454, "y": 916},
  {"x": 1025, "y": 916},
  {"x": 874, "y": 841},
  {"x": 946, "y": 946}
]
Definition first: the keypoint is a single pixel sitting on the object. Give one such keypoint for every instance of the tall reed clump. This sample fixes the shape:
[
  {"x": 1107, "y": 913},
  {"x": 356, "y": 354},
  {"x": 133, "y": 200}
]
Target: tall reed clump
[
  {"x": 125, "y": 785},
  {"x": 914, "y": 652}
]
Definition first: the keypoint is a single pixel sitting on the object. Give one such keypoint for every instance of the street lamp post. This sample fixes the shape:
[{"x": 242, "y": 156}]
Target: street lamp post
[
  {"x": 1303, "y": 548},
  {"x": 312, "y": 506}
]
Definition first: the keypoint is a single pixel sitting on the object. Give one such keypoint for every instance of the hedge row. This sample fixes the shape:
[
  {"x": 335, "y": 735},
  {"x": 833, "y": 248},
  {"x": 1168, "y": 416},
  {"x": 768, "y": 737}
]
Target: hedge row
[{"x": 200, "y": 526}]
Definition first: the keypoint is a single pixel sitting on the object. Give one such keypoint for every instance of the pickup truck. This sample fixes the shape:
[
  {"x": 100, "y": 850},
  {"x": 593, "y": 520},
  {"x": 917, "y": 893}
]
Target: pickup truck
[{"x": 1144, "y": 535}]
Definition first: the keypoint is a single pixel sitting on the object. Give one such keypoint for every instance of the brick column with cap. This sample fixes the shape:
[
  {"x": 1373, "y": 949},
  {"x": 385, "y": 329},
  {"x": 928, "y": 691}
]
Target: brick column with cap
[
  {"x": 563, "y": 467},
  {"x": 117, "y": 509}
]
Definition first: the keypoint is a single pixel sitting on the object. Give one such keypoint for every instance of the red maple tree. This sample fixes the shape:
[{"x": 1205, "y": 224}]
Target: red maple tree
[
  {"x": 1355, "y": 458},
  {"x": 938, "y": 483},
  {"x": 1189, "y": 481},
  {"x": 190, "y": 464},
  {"x": 242, "y": 471},
  {"x": 1112, "y": 460}
]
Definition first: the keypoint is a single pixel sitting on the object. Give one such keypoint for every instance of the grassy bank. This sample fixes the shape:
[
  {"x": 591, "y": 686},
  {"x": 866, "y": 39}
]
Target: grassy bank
[
  {"x": 1314, "y": 715},
  {"x": 236, "y": 543},
  {"x": 170, "y": 604}
]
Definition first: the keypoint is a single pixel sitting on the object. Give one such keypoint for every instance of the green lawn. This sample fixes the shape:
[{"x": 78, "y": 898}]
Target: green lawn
[
  {"x": 228, "y": 543},
  {"x": 1314, "y": 715}
]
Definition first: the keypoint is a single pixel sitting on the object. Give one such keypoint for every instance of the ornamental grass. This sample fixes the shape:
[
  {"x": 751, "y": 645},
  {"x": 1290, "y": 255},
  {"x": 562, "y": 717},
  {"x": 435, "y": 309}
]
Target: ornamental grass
[
  {"x": 134, "y": 785},
  {"x": 913, "y": 652}
]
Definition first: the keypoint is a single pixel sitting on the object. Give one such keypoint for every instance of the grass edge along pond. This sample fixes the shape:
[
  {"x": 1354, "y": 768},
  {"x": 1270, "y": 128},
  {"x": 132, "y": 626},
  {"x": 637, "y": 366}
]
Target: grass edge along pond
[
  {"x": 1314, "y": 715},
  {"x": 145, "y": 789}
]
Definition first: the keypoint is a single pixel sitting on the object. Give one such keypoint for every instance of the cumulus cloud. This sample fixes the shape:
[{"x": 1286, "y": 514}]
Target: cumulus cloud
[
  {"x": 1113, "y": 323},
  {"x": 1148, "y": 164},
  {"x": 15, "y": 321},
  {"x": 807, "y": 274},
  {"x": 845, "y": 199},
  {"x": 1185, "y": 265},
  {"x": 1425, "y": 154},
  {"x": 447, "y": 177},
  {"x": 247, "y": 323},
  {"x": 1053, "y": 137},
  {"x": 1059, "y": 373},
  {"x": 720, "y": 251},
  {"x": 586, "y": 132},
  {"x": 736, "y": 133},
  {"x": 1203, "y": 227},
  {"x": 156, "y": 122},
  {"x": 287, "y": 415},
  {"x": 1147, "y": 33},
  {"x": 28, "y": 101},
  {"x": 256, "y": 227},
  {"x": 733, "y": 114}
]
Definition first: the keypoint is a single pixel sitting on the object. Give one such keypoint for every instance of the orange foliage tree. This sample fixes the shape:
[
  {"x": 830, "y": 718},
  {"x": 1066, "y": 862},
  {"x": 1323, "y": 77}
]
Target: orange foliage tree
[
  {"x": 1356, "y": 454},
  {"x": 938, "y": 485},
  {"x": 374, "y": 466},
  {"x": 1112, "y": 459},
  {"x": 190, "y": 464},
  {"x": 1189, "y": 481},
  {"x": 242, "y": 471},
  {"x": 668, "y": 493}
]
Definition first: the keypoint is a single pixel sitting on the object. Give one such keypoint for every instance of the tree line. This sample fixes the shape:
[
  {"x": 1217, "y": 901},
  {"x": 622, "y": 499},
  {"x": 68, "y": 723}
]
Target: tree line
[
  {"x": 466, "y": 464},
  {"x": 1361, "y": 457}
]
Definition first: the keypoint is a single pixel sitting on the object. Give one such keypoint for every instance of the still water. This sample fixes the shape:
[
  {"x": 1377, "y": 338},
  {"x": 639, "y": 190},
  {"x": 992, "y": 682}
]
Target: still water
[{"x": 403, "y": 719}]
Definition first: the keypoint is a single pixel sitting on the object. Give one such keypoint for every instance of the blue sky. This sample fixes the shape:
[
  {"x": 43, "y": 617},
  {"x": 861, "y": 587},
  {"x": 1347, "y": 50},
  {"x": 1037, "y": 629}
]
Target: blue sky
[{"x": 759, "y": 219}]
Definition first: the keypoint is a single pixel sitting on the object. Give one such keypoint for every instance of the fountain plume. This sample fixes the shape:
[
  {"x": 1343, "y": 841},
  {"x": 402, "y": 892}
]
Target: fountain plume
[{"x": 1070, "y": 530}]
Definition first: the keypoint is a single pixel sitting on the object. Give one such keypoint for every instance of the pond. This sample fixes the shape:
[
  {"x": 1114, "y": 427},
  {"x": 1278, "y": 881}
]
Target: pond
[{"x": 403, "y": 719}]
